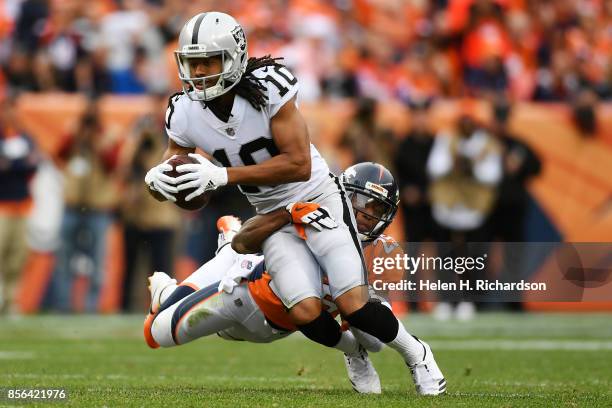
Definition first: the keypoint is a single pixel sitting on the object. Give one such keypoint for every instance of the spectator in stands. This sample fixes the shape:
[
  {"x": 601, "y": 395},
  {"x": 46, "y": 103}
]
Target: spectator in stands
[
  {"x": 17, "y": 70},
  {"x": 340, "y": 81},
  {"x": 465, "y": 168},
  {"x": 365, "y": 139},
  {"x": 411, "y": 173},
  {"x": 485, "y": 47},
  {"x": 126, "y": 33},
  {"x": 520, "y": 165},
  {"x": 31, "y": 20},
  {"x": 18, "y": 161},
  {"x": 149, "y": 225},
  {"x": 90, "y": 158},
  {"x": 584, "y": 112},
  {"x": 62, "y": 63},
  {"x": 21, "y": 44}
]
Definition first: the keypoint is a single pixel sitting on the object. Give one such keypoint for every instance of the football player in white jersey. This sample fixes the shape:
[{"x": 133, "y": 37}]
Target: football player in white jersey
[{"x": 243, "y": 113}]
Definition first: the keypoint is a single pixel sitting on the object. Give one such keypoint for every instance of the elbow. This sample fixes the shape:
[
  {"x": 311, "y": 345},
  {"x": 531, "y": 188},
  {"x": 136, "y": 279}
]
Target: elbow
[
  {"x": 239, "y": 246},
  {"x": 243, "y": 242},
  {"x": 301, "y": 169}
]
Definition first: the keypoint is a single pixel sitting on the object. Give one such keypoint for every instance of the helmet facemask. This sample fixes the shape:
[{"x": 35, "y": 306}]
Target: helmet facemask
[
  {"x": 377, "y": 212},
  {"x": 226, "y": 79}
]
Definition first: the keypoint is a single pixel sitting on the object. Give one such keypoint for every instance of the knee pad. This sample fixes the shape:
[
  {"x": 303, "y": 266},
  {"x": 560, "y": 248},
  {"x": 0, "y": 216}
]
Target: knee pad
[
  {"x": 324, "y": 330},
  {"x": 377, "y": 320}
]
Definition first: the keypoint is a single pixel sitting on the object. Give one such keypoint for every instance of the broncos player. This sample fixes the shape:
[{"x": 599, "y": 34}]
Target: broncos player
[
  {"x": 242, "y": 112},
  {"x": 260, "y": 316},
  {"x": 230, "y": 296}
]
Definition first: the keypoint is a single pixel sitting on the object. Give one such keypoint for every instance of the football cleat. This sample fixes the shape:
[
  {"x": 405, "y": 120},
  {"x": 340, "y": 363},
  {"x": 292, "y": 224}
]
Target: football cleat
[
  {"x": 361, "y": 372},
  {"x": 426, "y": 375},
  {"x": 228, "y": 226},
  {"x": 157, "y": 283},
  {"x": 148, "y": 323}
]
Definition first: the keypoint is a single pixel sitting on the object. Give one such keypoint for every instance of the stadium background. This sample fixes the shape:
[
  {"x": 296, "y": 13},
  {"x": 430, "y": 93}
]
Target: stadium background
[{"x": 113, "y": 59}]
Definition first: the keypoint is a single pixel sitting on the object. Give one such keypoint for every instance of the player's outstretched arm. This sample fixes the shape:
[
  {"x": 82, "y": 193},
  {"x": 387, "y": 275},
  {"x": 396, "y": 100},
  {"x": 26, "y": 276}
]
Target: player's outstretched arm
[
  {"x": 257, "y": 229},
  {"x": 292, "y": 164},
  {"x": 161, "y": 187}
]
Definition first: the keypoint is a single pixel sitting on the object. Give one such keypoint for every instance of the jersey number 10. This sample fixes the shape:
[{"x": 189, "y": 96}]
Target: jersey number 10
[
  {"x": 247, "y": 150},
  {"x": 246, "y": 155}
]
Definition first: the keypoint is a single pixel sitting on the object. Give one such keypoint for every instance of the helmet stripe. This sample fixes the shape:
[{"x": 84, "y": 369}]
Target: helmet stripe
[{"x": 196, "y": 28}]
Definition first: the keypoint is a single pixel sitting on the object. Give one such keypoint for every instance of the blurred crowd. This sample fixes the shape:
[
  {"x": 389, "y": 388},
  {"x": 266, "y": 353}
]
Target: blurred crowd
[
  {"x": 463, "y": 184},
  {"x": 544, "y": 50},
  {"x": 462, "y": 187}
]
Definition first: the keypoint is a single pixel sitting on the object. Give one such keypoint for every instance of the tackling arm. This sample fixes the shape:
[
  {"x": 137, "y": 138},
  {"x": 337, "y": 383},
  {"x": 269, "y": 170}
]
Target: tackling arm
[{"x": 257, "y": 229}]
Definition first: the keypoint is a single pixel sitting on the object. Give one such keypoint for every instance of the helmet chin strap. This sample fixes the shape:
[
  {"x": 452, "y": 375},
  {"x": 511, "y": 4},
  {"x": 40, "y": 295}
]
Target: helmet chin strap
[
  {"x": 363, "y": 238},
  {"x": 378, "y": 226}
]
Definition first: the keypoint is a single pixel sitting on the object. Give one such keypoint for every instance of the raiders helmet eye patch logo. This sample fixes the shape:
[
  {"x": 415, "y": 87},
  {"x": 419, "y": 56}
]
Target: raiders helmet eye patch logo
[{"x": 240, "y": 38}]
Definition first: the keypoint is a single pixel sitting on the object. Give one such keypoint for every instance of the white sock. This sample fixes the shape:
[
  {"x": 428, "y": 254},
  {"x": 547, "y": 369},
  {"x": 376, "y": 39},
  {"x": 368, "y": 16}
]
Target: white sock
[
  {"x": 348, "y": 343},
  {"x": 409, "y": 347}
]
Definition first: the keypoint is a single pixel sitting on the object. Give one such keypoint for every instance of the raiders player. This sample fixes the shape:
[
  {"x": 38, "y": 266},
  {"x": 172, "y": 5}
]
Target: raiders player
[
  {"x": 374, "y": 196},
  {"x": 242, "y": 112}
]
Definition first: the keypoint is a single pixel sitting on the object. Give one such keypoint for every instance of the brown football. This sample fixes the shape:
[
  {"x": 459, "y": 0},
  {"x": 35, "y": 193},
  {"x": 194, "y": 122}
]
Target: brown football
[{"x": 197, "y": 202}]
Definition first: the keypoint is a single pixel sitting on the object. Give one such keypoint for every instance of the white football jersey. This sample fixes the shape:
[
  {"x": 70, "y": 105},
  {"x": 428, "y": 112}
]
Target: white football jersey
[{"x": 246, "y": 138}]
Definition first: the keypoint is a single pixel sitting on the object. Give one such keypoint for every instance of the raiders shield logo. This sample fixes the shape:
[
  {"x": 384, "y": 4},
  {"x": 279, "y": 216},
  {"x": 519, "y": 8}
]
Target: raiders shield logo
[
  {"x": 240, "y": 38},
  {"x": 230, "y": 132}
]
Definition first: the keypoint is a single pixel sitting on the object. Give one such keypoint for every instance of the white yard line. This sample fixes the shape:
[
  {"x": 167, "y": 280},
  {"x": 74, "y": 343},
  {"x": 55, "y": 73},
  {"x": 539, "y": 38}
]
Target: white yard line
[
  {"x": 121, "y": 377},
  {"x": 16, "y": 355},
  {"x": 540, "y": 344}
]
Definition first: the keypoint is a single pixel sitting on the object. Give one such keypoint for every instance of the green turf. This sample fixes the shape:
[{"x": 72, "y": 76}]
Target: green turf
[{"x": 497, "y": 360}]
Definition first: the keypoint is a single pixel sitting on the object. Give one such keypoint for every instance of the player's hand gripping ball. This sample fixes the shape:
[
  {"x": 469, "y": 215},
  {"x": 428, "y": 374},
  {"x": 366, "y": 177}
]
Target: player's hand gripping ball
[{"x": 196, "y": 202}]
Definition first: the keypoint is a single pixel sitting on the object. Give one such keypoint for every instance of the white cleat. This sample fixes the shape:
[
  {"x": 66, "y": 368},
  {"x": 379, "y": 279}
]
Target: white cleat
[
  {"x": 157, "y": 283},
  {"x": 361, "y": 372},
  {"x": 426, "y": 375}
]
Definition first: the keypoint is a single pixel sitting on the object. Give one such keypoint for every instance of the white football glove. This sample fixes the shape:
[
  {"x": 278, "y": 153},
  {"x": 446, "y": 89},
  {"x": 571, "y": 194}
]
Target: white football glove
[
  {"x": 311, "y": 214},
  {"x": 203, "y": 176},
  {"x": 160, "y": 182}
]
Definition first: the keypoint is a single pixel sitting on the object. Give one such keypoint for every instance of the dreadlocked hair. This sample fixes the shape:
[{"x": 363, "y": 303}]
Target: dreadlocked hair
[{"x": 249, "y": 87}]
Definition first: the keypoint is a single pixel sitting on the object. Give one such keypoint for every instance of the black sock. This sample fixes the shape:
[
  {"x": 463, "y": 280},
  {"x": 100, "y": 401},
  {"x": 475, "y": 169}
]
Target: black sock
[
  {"x": 375, "y": 319},
  {"x": 324, "y": 330},
  {"x": 179, "y": 293}
]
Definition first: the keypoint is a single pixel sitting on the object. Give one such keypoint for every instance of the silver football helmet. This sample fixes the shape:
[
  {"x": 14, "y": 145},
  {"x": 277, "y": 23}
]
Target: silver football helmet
[{"x": 208, "y": 35}]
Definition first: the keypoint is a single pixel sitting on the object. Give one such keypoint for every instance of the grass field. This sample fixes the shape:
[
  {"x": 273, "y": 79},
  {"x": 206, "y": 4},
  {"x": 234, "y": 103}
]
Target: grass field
[{"x": 501, "y": 360}]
